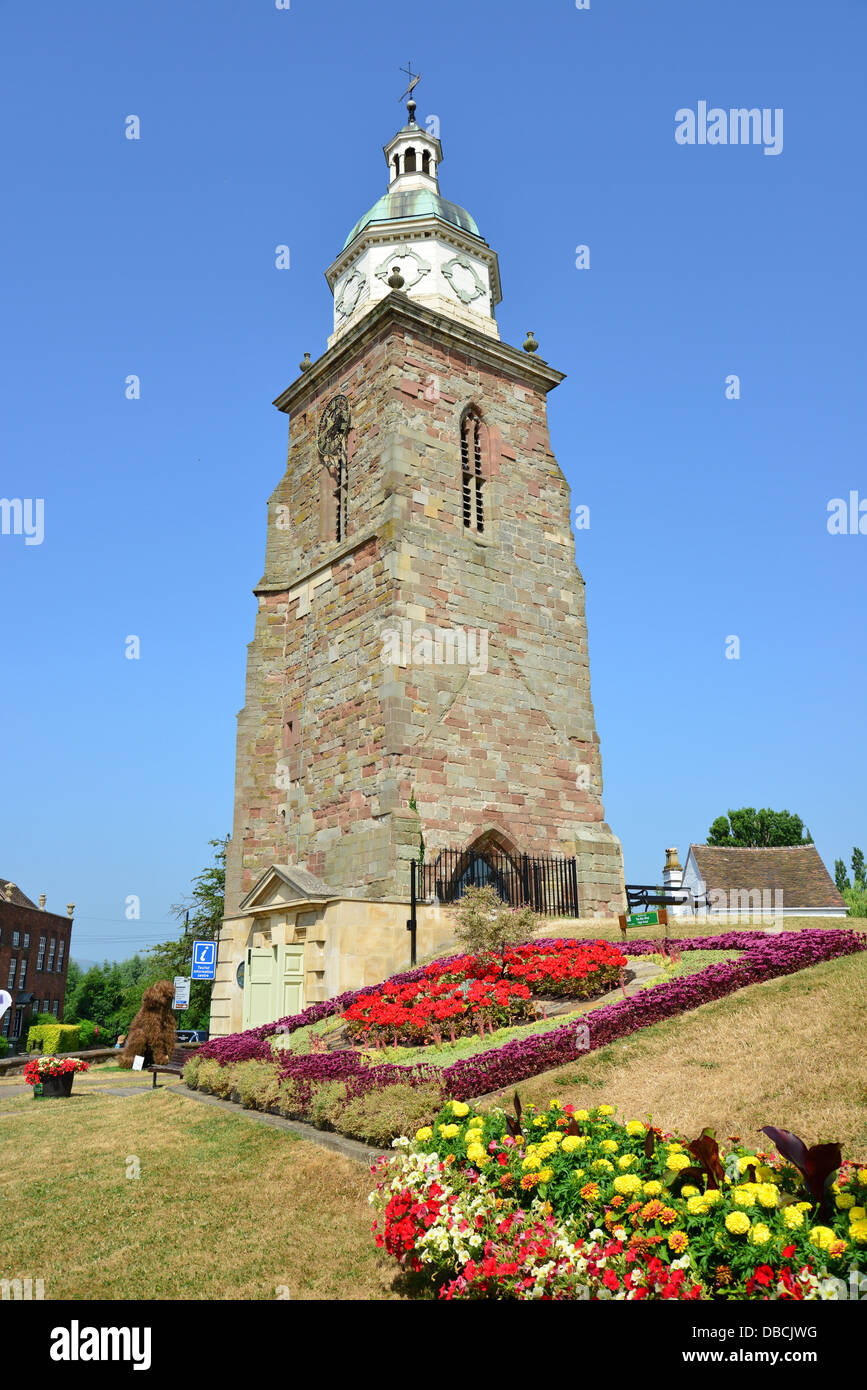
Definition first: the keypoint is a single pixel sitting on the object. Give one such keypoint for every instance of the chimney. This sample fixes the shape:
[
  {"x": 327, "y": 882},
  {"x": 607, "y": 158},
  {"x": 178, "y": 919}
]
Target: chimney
[
  {"x": 10, "y": 892},
  {"x": 42, "y": 901},
  {"x": 70, "y": 908},
  {"x": 672, "y": 874}
]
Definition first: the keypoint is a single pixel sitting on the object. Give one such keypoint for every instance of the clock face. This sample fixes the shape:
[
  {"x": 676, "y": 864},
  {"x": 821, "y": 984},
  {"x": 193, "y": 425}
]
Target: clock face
[{"x": 334, "y": 427}]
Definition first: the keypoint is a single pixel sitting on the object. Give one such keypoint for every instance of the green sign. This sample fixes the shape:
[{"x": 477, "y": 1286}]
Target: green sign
[{"x": 643, "y": 919}]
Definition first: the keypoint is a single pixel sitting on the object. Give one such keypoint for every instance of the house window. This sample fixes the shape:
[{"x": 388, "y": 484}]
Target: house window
[
  {"x": 7, "y": 1017},
  {"x": 54, "y": 1007},
  {"x": 26, "y": 940},
  {"x": 22, "y": 972},
  {"x": 473, "y": 472},
  {"x": 45, "y": 1005},
  {"x": 60, "y": 950},
  {"x": 13, "y": 966},
  {"x": 16, "y": 938},
  {"x": 41, "y": 958},
  {"x": 52, "y": 948}
]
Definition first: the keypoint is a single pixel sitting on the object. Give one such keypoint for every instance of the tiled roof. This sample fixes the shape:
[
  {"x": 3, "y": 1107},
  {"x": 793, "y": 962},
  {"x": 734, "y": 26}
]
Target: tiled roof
[
  {"x": 20, "y": 899},
  {"x": 796, "y": 869}
]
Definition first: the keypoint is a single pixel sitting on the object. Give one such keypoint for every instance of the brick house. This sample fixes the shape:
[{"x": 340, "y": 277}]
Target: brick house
[{"x": 34, "y": 956}]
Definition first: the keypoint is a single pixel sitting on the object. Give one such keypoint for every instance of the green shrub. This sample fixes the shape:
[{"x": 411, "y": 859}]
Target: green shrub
[
  {"x": 88, "y": 1035},
  {"x": 4, "y": 1046},
  {"x": 216, "y": 1080},
  {"x": 856, "y": 901},
  {"x": 53, "y": 1038},
  {"x": 381, "y": 1116},
  {"x": 191, "y": 1073},
  {"x": 257, "y": 1084}
]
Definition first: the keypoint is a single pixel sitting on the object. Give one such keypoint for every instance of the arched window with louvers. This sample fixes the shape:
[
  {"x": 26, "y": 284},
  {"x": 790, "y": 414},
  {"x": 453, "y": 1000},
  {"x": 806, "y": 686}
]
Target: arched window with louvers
[{"x": 474, "y": 471}]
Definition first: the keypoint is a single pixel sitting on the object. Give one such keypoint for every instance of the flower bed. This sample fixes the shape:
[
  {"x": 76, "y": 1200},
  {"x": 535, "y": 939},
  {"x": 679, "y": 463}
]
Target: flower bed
[
  {"x": 468, "y": 993},
  {"x": 572, "y": 1204}
]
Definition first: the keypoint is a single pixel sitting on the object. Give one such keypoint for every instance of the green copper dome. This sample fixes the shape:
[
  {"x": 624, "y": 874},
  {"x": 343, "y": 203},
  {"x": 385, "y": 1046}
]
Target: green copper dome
[{"x": 421, "y": 202}]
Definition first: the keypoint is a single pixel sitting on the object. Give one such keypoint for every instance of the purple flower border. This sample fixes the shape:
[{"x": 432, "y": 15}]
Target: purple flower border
[{"x": 763, "y": 957}]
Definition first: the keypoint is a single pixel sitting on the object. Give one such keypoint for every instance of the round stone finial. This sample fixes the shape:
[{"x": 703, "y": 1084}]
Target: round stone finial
[
  {"x": 395, "y": 280},
  {"x": 530, "y": 344},
  {"x": 410, "y": 106},
  {"x": 306, "y": 364}
]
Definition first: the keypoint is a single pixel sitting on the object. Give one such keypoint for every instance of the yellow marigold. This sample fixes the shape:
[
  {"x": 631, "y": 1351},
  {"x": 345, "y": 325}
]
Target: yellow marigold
[
  {"x": 571, "y": 1143},
  {"x": 553, "y": 1137},
  {"x": 627, "y": 1184},
  {"x": 601, "y": 1165},
  {"x": 556, "y": 1105},
  {"x": 744, "y": 1196},
  {"x": 793, "y": 1218},
  {"x": 475, "y": 1152},
  {"x": 531, "y": 1161},
  {"x": 582, "y": 1115},
  {"x": 424, "y": 1133},
  {"x": 449, "y": 1131},
  {"x": 627, "y": 1161},
  {"x": 674, "y": 1146},
  {"x": 712, "y": 1196},
  {"x": 540, "y": 1120},
  {"x": 668, "y": 1216},
  {"x": 608, "y": 1146},
  {"x": 652, "y": 1188},
  {"x": 845, "y": 1200},
  {"x": 676, "y": 1161},
  {"x": 477, "y": 1122},
  {"x": 678, "y": 1241},
  {"x": 760, "y": 1234},
  {"x": 460, "y": 1109},
  {"x": 605, "y": 1110},
  {"x": 857, "y": 1213},
  {"x": 688, "y": 1191},
  {"x": 822, "y": 1236},
  {"x": 858, "y": 1232},
  {"x": 546, "y": 1175},
  {"x": 768, "y": 1195},
  {"x": 590, "y": 1191},
  {"x": 861, "y": 1177},
  {"x": 697, "y": 1206},
  {"x": 634, "y": 1128},
  {"x": 765, "y": 1174},
  {"x": 748, "y": 1161},
  {"x": 738, "y": 1223},
  {"x": 579, "y": 1173}
]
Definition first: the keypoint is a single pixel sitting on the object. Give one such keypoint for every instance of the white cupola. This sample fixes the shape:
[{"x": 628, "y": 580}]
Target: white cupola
[{"x": 416, "y": 241}]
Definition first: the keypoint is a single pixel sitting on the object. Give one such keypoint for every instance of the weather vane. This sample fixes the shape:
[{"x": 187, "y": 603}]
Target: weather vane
[{"x": 414, "y": 79}]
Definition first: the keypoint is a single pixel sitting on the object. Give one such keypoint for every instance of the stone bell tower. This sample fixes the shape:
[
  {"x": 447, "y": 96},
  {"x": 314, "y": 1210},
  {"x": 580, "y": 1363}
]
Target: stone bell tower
[{"x": 419, "y": 672}]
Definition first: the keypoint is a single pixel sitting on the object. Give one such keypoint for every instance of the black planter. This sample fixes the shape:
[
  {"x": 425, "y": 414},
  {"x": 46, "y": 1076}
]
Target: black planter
[{"x": 53, "y": 1087}]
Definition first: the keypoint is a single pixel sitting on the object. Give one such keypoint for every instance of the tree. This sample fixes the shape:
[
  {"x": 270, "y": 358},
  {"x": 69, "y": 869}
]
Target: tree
[
  {"x": 748, "y": 828},
  {"x": 858, "y": 870},
  {"x": 841, "y": 878},
  {"x": 486, "y": 926},
  {"x": 202, "y": 913}
]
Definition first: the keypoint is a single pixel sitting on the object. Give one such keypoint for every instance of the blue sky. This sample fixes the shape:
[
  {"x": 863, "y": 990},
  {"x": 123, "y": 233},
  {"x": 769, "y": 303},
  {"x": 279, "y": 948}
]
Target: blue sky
[{"x": 156, "y": 258}]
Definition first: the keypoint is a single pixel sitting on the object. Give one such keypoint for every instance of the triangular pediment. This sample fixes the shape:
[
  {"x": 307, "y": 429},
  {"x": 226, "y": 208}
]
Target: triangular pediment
[{"x": 285, "y": 883}]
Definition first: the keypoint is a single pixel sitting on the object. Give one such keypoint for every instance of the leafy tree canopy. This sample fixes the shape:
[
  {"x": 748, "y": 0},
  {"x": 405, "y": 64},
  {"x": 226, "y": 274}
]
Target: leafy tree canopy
[{"x": 752, "y": 829}]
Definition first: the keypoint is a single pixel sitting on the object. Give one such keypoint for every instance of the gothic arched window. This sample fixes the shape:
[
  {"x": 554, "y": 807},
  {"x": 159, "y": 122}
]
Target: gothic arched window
[
  {"x": 409, "y": 161},
  {"x": 425, "y": 162},
  {"x": 397, "y": 166},
  {"x": 473, "y": 470}
]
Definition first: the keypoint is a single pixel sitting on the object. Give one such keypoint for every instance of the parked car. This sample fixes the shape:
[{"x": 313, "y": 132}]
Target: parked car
[{"x": 192, "y": 1035}]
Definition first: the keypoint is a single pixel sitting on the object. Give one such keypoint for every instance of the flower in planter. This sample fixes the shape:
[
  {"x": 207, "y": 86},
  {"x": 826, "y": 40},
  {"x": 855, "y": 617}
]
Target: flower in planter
[{"x": 38, "y": 1068}]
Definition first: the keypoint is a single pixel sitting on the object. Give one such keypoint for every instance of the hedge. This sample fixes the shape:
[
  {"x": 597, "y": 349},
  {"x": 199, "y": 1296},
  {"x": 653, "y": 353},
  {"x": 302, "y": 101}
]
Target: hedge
[{"x": 53, "y": 1038}]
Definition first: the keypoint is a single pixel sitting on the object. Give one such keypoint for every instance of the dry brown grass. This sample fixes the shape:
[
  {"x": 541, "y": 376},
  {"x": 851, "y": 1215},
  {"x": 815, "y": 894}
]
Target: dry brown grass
[
  {"x": 789, "y": 1053},
  {"x": 225, "y": 1207}
]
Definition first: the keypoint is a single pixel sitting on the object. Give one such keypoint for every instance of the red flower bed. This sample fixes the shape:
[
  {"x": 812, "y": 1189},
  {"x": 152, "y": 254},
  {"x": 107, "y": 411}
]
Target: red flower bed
[
  {"x": 475, "y": 993},
  {"x": 40, "y": 1067}
]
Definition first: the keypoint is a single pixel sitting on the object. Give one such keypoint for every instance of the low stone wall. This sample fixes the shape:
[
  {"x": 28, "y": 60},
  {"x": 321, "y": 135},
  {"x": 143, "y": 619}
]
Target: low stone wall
[{"x": 19, "y": 1062}]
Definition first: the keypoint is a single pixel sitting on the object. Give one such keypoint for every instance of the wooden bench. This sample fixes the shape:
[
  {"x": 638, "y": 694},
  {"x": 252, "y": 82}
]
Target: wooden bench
[{"x": 175, "y": 1065}]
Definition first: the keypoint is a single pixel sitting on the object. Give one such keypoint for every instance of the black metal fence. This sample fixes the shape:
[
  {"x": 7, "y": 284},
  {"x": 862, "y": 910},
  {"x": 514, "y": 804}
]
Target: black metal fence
[{"x": 548, "y": 884}]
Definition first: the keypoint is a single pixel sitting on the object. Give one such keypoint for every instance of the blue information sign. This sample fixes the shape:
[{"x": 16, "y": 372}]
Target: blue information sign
[{"x": 204, "y": 960}]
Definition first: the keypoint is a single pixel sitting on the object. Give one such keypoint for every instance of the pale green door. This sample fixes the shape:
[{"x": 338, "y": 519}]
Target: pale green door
[
  {"x": 290, "y": 980},
  {"x": 260, "y": 977}
]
